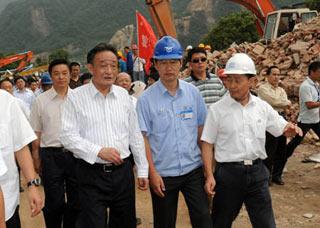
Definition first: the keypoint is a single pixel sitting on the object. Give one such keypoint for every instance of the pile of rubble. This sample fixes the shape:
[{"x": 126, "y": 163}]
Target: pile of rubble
[{"x": 292, "y": 53}]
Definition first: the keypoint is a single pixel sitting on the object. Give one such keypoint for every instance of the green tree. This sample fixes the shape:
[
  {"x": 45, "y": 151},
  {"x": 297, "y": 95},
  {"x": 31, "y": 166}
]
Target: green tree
[
  {"x": 236, "y": 27},
  {"x": 59, "y": 54},
  {"x": 313, "y": 4}
]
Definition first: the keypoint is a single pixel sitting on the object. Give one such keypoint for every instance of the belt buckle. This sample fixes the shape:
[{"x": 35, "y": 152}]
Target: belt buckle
[
  {"x": 247, "y": 162},
  {"x": 107, "y": 168}
]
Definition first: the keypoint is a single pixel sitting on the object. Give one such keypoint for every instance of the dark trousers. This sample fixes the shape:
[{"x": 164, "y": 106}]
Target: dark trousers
[
  {"x": 101, "y": 188},
  {"x": 60, "y": 188},
  {"x": 191, "y": 186},
  {"x": 276, "y": 150},
  {"x": 292, "y": 145},
  {"x": 14, "y": 221},
  {"x": 237, "y": 184}
]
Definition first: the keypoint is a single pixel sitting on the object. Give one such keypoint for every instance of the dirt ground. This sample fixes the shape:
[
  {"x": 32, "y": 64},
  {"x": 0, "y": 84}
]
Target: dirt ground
[{"x": 300, "y": 195}]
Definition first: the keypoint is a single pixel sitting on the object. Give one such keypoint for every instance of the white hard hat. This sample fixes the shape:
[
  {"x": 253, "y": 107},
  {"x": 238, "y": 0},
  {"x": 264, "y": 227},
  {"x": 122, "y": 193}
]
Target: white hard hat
[
  {"x": 240, "y": 63},
  {"x": 189, "y": 47}
]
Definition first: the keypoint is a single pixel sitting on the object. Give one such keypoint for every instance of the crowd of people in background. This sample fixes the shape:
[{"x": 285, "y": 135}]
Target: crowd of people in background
[{"x": 202, "y": 135}]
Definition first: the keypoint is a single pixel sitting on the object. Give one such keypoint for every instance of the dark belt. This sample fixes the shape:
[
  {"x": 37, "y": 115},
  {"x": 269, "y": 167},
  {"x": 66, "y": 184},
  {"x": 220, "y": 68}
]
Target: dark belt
[
  {"x": 107, "y": 167},
  {"x": 245, "y": 162},
  {"x": 55, "y": 149}
]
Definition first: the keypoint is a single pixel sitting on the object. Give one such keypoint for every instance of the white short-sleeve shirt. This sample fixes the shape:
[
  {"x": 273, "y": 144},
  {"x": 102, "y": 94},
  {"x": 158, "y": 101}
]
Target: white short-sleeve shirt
[
  {"x": 239, "y": 132},
  {"x": 15, "y": 133}
]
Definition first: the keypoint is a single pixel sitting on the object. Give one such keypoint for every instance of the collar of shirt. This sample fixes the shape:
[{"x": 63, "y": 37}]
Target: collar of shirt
[
  {"x": 312, "y": 82},
  {"x": 94, "y": 92},
  {"x": 196, "y": 79},
  {"x": 52, "y": 93},
  {"x": 231, "y": 101},
  {"x": 271, "y": 86},
  {"x": 164, "y": 90}
]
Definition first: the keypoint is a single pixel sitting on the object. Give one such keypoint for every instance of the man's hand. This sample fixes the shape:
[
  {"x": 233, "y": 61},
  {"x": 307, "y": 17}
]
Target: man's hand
[
  {"x": 209, "y": 185},
  {"x": 37, "y": 164},
  {"x": 143, "y": 183},
  {"x": 111, "y": 155},
  {"x": 35, "y": 199},
  {"x": 156, "y": 183},
  {"x": 291, "y": 130}
]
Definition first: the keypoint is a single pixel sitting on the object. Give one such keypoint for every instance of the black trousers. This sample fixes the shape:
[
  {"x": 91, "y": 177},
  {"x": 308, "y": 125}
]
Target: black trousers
[
  {"x": 101, "y": 188},
  {"x": 237, "y": 184},
  {"x": 191, "y": 186},
  {"x": 276, "y": 148},
  {"x": 292, "y": 145},
  {"x": 14, "y": 221},
  {"x": 60, "y": 188}
]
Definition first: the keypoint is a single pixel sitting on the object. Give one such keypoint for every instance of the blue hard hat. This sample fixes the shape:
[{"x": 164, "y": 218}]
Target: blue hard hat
[
  {"x": 46, "y": 79},
  {"x": 167, "y": 48}
]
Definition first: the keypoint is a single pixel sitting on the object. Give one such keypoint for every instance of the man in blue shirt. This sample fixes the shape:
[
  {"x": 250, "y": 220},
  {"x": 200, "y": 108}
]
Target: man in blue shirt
[
  {"x": 129, "y": 60},
  {"x": 171, "y": 116}
]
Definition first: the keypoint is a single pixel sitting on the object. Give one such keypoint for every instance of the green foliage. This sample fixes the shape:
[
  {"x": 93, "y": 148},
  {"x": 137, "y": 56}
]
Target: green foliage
[
  {"x": 59, "y": 54},
  {"x": 313, "y": 4},
  {"x": 236, "y": 27}
]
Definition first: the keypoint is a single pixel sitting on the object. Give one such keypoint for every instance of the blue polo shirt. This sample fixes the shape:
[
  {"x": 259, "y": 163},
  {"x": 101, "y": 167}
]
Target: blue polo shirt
[{"x": 171, "y": 124}]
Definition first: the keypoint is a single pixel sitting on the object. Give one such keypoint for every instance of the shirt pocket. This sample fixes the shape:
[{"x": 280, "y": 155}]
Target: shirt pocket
[
  {"x": 161, "y": 120},
  {"x": 260, "y": 128}
]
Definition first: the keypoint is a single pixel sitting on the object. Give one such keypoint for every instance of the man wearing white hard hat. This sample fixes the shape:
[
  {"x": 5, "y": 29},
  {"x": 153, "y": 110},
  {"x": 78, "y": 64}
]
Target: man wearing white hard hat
[{"x": 235, "y": 128}]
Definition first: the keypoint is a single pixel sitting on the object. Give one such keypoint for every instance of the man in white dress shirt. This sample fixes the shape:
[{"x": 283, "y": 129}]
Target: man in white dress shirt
[
  {"x": 99, "y": 123},
  {"x": 57, "y": 165},
  {"x": 15, "y": 135},
  {"x": 7, "y": 85},
  {"x": 23, "y": 92},
  {"x": 235, "y": 127}
]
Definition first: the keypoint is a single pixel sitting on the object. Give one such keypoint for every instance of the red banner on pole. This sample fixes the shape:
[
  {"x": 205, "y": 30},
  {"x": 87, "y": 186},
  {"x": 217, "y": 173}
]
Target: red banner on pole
[{"x": 146, "y": 39}]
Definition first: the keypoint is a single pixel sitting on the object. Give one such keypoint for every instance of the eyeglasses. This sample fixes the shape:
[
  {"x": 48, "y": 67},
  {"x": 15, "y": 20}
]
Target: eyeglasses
[{"x": 203, "y": 59}]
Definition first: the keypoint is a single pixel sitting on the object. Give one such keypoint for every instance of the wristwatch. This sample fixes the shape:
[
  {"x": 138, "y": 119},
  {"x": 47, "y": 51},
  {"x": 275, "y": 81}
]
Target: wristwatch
[{"x": 36, "y": 182}]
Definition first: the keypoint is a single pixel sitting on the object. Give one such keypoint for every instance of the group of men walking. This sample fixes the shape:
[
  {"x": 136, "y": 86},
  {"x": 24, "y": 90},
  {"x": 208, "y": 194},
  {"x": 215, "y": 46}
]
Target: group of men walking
[{"x": 197, "y": 138}]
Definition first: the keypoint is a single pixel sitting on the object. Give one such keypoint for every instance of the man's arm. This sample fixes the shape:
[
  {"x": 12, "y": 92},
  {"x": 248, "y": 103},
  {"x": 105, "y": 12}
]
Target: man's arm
[
  {"x": 24, "y": 160},
  {"x": 312, "y": 104},
  {"x": 156, "y": 181},
  {"x": 2, "y": 214},
  {"x": 207, "y": 156},
  {"x": 71, "y": 139},
  {"x": 272, "y": 98},
  {"x": 36, "y": 152},
  {"x": 305, "y": 95},
  {"x": 200, "y": 129}
]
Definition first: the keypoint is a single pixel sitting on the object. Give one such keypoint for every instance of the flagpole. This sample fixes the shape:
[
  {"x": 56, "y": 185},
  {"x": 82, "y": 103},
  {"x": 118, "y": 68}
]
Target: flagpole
[{"x": 137, "y": 33}]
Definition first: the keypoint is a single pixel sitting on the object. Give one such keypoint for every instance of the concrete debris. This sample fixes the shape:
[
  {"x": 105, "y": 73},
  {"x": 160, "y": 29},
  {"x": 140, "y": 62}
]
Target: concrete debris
[{"x": 308, "y": 215}]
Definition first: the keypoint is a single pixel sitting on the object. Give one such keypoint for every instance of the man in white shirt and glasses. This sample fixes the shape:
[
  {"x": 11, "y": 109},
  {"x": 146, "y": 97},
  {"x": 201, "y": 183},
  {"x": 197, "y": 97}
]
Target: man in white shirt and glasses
[
  {"x": 235, "y": 128},
  {"x": 99, "y": 123}
]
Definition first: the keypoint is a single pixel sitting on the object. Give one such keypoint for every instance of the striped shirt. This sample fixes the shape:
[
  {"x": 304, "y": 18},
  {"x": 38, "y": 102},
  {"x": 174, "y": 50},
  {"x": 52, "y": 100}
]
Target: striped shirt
[
  {"x": 211, "y": 89},
  {"x": 91, "y": 121}
]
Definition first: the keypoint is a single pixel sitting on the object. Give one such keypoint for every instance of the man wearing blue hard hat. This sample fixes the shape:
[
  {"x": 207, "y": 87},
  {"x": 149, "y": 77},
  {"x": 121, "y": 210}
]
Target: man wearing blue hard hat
[{"x": 171, "y": 117}]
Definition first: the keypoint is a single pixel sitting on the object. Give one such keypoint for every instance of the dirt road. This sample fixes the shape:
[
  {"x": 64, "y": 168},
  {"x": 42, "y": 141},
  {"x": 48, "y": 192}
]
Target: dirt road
[{"x": 300, "y": 195}]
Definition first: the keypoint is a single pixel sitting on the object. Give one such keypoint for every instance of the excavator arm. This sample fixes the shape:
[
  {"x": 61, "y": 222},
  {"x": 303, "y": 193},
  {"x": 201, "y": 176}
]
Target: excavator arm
[
  {"x": 161, "y": 14},
  {"x": 24, "y": 59},
  {"x": 260, "y": 8}
]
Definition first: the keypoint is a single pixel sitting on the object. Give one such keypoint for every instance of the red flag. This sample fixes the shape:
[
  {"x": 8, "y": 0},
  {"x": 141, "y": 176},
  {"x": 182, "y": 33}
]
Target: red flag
[{"x": 146, "y": 39}]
